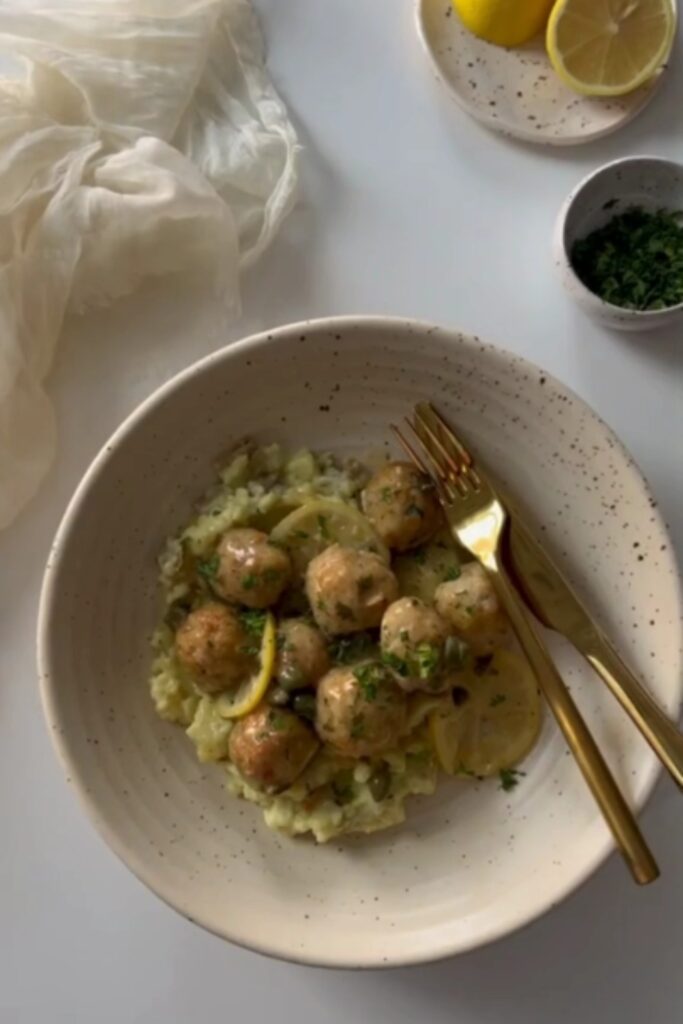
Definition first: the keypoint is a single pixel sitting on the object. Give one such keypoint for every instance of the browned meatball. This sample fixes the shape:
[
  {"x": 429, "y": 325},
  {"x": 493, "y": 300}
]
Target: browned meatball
[
  {"x": 271, "y": 747},
  {"x": 212, "y": 647},
  {"x": 348, "y": 590},
  {"x": 251, "y": 570},
  {"x": 471, "y": 608},
  {"x": 302, "y": 656},
  {"x": 414, "y": 644},
  {"x": 401, "y": 504},
  {"x": 359, "y": 709}
]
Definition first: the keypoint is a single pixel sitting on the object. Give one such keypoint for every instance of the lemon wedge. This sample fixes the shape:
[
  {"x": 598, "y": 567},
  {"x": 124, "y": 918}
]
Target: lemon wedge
[
  {"x": 315, "y": 526},
  {"x": 504, "y": 22},
  {"x": 252, "y": 692},
  {"x": 602, "y": 48},
  {"x": 497, "y": 723}
]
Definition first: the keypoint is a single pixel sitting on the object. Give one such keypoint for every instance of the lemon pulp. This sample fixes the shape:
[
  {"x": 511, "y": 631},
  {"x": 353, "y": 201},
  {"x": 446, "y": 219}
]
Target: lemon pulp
[
  {"x": 497, "y": 723},
  {"x": 609, "y": 47}
]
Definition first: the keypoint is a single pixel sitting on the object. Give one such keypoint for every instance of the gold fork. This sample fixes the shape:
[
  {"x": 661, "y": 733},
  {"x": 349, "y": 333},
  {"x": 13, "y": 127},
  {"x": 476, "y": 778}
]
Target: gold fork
[{"x": 478, "y": 521}]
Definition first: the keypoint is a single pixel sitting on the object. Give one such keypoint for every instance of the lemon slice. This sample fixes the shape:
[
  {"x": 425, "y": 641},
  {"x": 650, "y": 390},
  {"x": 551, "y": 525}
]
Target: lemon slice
[
  {"x": 315, "y": 526},
  {"x": 251, "y": 693},
  {"x": 497, "y": 723},
  {"x": 609, "y": 47}
]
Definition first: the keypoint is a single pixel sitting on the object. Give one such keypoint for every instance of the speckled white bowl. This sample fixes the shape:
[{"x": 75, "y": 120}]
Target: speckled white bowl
[
  {"x": 647, "y": 181},
  {"x": 472, "y": 863}
]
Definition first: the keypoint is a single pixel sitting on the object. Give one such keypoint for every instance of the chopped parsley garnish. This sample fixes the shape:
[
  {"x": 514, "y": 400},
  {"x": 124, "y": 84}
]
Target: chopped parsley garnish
[
  {"x": 452, "y": 573},
  {"x": 300, "y": 534},
  {"x": 415, "y": 511},
  {"x": 249, "y": 581},
  {"x": 635, "y": 260},
  {"x": 498, "y": 698},
  {"x": 208, "y": 567},
  {"x": 370, "y": 678},
  {"x": 254, "y": 623},
  {"x": 419, "y": 556},
  {"x": 396, "y": 664},
  {"x": 387, "y": 494},
  {"x": 509, "y": 778},
  {"x": 427, "y": 660}
]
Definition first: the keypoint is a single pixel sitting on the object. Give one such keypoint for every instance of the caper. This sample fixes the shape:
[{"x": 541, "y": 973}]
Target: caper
[
  {"x": 290, "y": 676},
  {"x": 279, "y": 697},
  {"x": 304, "y": 705},
  {"x": 379, "y": 782}
]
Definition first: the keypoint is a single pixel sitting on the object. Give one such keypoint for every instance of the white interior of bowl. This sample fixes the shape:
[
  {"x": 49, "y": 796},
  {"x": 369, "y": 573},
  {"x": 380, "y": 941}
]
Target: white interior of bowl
[{"x": 472, "y": 862}]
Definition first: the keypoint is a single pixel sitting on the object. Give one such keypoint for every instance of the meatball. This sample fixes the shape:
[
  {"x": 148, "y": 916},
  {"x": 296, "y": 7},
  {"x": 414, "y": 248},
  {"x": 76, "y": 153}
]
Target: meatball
[
  {"x": 359, "y": 709},
  {"x": 471, "y": 608},
  {"x": 401, "y": 504},
  {"x": 212, "y": 647},
  {"x": 251, "y": 570},
  {"x": 271, "y": 747},
  {"x": 302, "y": 654},
  {"x": 413, "y": 644},
  {"x": 348, "y": 590}
]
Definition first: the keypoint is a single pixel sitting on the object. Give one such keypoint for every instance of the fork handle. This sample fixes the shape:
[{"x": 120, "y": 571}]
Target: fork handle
[
  {"x": 595, "y": 771},
  {"x": 661, "y": 733}
]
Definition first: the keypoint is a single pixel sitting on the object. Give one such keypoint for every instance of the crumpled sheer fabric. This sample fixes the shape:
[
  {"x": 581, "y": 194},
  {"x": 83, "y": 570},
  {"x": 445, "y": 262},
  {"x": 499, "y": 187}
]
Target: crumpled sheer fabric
[{"x": 145, "y": 139}]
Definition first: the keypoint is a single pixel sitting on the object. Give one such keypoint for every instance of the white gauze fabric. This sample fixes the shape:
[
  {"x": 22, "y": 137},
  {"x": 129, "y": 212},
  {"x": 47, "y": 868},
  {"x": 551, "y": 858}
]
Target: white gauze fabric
[{"x": 146, "y": 139}]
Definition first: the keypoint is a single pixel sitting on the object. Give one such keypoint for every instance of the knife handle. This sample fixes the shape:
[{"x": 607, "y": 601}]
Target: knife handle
[{"x": 661, "y": 733}]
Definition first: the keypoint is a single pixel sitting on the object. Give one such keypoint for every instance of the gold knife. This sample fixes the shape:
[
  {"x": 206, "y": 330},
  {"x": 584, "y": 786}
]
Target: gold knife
[{"x": 555, "y": 604}]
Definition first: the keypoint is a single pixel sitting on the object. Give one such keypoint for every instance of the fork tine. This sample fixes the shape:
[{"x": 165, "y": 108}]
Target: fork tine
[
  {"x": 409, "y": 450},
  {"x": 450, "y": 483},
  {"x": 429, "y": 411},
  {"x": 431, "y": 441},
  {"x": 449, "y": 438},
  {"x": 435, "y": 476}
]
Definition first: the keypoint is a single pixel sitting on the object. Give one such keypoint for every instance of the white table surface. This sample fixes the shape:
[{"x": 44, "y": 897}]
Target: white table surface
[{"x": 407, "y": 207}]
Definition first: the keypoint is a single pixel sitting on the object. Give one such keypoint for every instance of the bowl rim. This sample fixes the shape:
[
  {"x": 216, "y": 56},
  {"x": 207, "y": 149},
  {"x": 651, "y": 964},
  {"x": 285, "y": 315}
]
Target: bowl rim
[
  {"x": 599, "y": 304},
  {"x": 142, "y": 869}
]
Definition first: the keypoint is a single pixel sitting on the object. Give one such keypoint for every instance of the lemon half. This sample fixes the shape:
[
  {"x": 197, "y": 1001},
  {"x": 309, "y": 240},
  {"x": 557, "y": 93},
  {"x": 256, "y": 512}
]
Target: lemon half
[
  {"x": 496, "y": 725},
  {"x": 252, "y": 692},
  {"x": 609, "y": 47},
  {"x": 504, "y": 22}
]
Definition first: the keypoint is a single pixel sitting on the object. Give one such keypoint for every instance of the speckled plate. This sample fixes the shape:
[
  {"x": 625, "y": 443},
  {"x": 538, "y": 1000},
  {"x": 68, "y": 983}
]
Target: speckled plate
[
  {"x": 472, "y": 862},
  {"x": 516, "y": 92}
]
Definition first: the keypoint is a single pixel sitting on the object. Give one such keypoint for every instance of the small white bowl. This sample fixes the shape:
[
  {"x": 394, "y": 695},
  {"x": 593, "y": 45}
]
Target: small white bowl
[
  {"x": 471, "y": 863},
  {"x": 646, "y": 181}
]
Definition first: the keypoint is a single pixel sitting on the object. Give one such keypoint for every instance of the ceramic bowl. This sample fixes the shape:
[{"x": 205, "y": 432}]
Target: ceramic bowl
[
  {"x": 472, "y": 862},
  {"x": 647, "y": 181}
]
